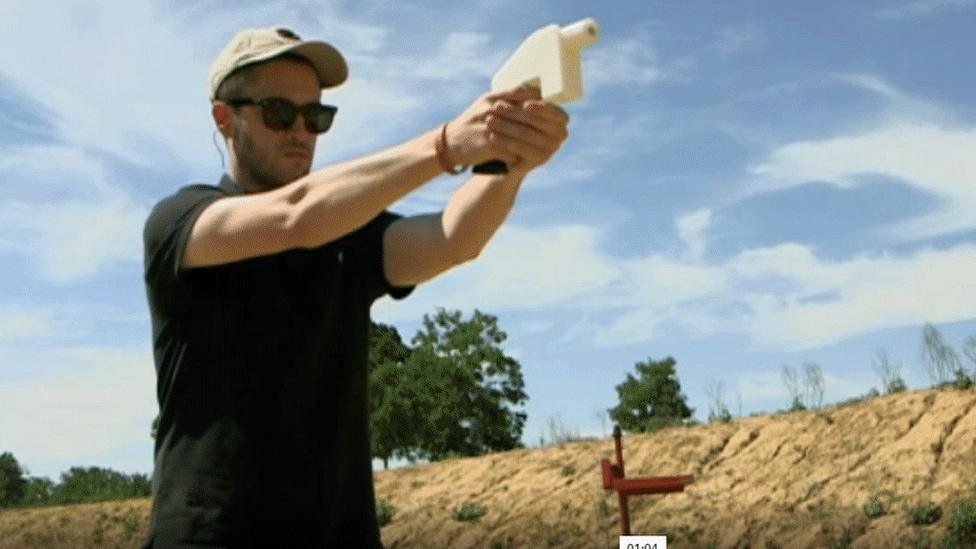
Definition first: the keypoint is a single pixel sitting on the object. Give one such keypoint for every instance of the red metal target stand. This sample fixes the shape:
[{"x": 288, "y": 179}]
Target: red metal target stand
[{"x": 613, "y": 479}]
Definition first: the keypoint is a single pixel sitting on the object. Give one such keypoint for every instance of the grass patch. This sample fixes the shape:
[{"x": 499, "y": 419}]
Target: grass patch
[
  {"x": 469, "y": 512},
  {"x": 384, "y": 512},
  {"x": 131, "y": 523},
  {"x": 874, "y": 508},
  {"x": 924, "y": 513},
  {"x": 603, "y": 508},
  {"x": 962, "y": 526},
  {"x": 568, "y": 470}
]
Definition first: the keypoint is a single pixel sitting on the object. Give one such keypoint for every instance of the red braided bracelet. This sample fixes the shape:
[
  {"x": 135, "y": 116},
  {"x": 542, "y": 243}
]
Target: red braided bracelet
[{"x": 440, "y": 147}]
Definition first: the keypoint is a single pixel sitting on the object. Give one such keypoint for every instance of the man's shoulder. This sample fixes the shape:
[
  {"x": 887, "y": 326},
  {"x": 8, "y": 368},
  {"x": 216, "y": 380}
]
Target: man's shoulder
[
  {"x": 177, "y": 206},
  {"x": 188, "y": 193},
  {"x": 185, "y": 197}
]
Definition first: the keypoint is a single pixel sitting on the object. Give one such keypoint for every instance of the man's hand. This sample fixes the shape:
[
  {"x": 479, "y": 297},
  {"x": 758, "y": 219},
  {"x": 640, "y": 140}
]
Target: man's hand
[{"x": 515, "y": 126}]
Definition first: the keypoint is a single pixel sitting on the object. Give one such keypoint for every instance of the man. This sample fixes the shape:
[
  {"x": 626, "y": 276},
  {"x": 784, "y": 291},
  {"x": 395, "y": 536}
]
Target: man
[{"x": 260, "y": 290}]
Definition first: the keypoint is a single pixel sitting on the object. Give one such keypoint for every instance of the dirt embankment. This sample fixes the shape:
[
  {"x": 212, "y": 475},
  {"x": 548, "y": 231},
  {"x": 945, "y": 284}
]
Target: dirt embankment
[{"x": 786, "y": 480}]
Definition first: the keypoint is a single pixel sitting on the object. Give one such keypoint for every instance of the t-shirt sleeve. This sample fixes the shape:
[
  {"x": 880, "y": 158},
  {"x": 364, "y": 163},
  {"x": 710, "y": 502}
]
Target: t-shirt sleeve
[
  {"x": 168, "y": 228},
  {"x": 373, "y": 233}
]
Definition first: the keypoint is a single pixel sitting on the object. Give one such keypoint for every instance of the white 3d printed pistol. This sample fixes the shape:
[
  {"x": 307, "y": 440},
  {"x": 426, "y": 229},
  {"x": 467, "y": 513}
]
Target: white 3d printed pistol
[{"x": 549, "y": 59}]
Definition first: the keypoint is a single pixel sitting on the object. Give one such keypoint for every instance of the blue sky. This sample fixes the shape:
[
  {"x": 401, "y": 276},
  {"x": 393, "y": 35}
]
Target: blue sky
[{"x": 747, "y": 185}]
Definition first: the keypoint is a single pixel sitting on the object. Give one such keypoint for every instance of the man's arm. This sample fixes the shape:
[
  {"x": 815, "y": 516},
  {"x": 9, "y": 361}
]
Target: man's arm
[
  {"x": 331, "y": 202},
  {"x": 418, "y": 248}
]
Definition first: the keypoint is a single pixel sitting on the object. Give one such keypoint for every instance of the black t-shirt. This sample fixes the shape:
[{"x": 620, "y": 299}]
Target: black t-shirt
[{"x": 261, "y": 370}]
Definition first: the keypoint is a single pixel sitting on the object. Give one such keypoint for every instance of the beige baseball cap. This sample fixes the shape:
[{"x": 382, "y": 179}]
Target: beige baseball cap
[{"x": 255, "y": 45}]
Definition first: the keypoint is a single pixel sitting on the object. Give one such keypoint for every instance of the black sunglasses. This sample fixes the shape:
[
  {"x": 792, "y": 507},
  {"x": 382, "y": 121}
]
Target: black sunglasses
[{"x": 279, "y": 113}]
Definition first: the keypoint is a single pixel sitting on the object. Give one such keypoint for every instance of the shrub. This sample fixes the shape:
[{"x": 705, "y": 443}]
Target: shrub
[
  {"x": 568, "y": 470},
  {"x": 896, "y": 385},
  {"x": 723, "y": 416},
  {"x": 962, "y": 526},
  {"x": 384, "y": 512},
  {"x": 924, "y": 513},
  {"x": 874, "y": 508},
  {"x": 469, "y": 512},
  {"x": 962, "y": 381}
]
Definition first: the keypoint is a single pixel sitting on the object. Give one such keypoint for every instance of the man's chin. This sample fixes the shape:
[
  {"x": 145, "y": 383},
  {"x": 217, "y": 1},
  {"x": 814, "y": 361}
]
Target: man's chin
[{"x": 296, "y": 170}]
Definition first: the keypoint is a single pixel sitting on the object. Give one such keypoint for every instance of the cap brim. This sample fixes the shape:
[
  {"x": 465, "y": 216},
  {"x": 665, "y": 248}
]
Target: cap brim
[{"x": 328, "y": 62}]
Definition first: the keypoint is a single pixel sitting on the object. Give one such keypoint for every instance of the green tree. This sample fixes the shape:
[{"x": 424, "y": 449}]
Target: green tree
[
  {"x": 13, "y": 486},
  {"x": 91, "y": 484},
  {"x": 468, "y": 389},
  {"x": 396, "y": 396},
  {"x": 651, "y": 400},
  {"x": 385, "y": 344},
  {"x": 40, "y": 491}
]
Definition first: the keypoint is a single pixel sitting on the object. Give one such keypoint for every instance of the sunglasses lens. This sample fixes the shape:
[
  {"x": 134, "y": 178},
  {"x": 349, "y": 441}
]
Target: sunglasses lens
[
  {"x": 318, "y": 119},
  {"x": 278, "y": 114}
]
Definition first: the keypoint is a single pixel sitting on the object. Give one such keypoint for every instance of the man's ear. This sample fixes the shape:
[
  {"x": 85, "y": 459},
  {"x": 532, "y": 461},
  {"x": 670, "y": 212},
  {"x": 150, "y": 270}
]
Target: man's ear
[{"x": 221, "y": 113}]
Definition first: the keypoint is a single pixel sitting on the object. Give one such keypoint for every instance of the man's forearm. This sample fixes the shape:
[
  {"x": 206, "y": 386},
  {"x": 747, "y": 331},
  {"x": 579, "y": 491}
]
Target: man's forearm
[
  {"x": 339, "y": 199},
  {"x": 477, "y": 209}
]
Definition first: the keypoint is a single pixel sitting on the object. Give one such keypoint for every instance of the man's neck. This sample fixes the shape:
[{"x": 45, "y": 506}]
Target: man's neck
[{"x": 243, "y": 181}]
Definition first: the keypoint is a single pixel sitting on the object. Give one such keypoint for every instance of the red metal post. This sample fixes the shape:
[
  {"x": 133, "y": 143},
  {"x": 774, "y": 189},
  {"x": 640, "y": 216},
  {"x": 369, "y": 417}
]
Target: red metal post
[
  {"x": 614, "y": 479},
  {"x": 624, "y": 513},
  {"x": 616, "y": 446},
  {"x": 622, "y": 497}
]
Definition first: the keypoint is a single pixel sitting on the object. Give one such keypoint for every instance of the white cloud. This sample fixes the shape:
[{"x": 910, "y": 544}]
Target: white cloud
[
  {"x": 462, "y": 56},
  {"x": 923, "y": 8},
  {"x": 598, "y": 144},
  {"x": 61, "y": 213},
  {"x": 146, "y": 70},
  {"x": 661, "y": 281},
  {"x": 783, "y": 297},
  {"x": 691, "y": 228},
  {"x": 521, "y": 269},
  {"x": 99, "y": 400},
  {"x": 899, "y": 107},
  {"x": 74, "y": 240},
  {"x": 630, "y": 327},
  {"x": 24, "y": 322},
  {"x": 838, "y": 300},
  {"x": 872, "y": 83},
  {"x": 153, "y": 63},
  {"x": 620, "y": 62},
  {"x": 935, "y": 159}
]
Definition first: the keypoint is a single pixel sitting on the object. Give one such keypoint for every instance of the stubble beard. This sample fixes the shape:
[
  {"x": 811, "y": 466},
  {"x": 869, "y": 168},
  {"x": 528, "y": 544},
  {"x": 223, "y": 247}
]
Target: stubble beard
[{"x": 259, "y": 167}]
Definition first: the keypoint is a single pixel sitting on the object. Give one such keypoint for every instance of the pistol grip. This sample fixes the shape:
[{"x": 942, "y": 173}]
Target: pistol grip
[{"x": 491, "y": 167}]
